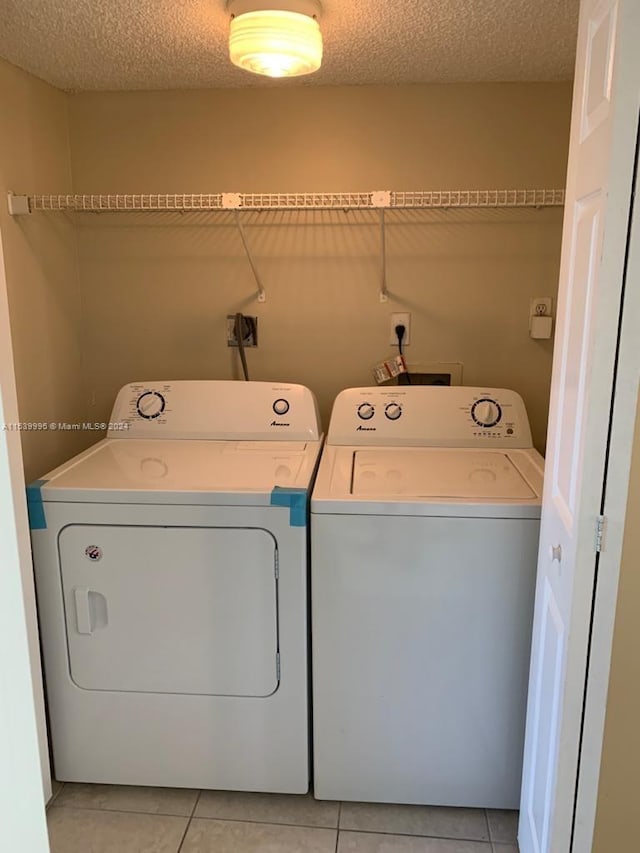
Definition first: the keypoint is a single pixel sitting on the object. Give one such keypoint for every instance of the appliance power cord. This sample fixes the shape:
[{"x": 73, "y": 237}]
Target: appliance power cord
[
  {"x": 239, "y": 333},
  {"x": 400, "y": 332}
]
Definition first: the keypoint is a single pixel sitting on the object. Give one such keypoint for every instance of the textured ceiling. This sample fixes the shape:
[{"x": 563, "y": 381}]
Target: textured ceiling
[{"x": 173, "y": 44}]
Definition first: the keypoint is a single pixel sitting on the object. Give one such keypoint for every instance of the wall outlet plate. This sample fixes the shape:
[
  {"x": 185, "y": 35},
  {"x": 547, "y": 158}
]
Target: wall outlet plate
[{"x": 400, "y": 319}]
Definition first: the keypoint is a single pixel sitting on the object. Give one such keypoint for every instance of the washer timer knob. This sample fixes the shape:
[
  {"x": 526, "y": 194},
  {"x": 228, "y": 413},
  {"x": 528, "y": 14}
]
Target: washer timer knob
[
  {"x": 365, "y": 411},
  {"x": 486, "y": 412},
  {"x": 150, "y": 405},
  {"x": 393, "y": 411},
  {"x": 281, "y": 406}
]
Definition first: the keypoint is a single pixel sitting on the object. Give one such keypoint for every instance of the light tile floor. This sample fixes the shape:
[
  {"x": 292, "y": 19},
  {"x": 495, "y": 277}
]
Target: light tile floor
[{"x": 114, "y": 819}]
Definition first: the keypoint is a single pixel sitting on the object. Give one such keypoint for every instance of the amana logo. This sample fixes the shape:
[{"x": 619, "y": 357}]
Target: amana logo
[
  {"x": 365, "y": 429},
  {"x": 275, "y": 423},
  {"x": 93, "y": 552}
]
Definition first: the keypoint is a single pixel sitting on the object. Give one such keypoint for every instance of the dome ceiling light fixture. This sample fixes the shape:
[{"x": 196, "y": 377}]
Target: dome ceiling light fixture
[{"x": 277, "y": 38}]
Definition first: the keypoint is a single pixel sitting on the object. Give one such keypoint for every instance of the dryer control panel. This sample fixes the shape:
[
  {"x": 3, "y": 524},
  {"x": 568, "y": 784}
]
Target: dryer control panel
[
  {"x": 430, "y": 416},
  {"x": 215, "y": 409}
]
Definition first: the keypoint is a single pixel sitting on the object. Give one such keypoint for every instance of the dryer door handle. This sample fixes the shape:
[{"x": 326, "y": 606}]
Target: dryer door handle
[{"x": 83, "y": 610}]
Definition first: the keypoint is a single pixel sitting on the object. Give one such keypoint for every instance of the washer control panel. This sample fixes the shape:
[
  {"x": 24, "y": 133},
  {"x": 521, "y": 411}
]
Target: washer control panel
[
  {"x": 430, "y": 416},
  {"x": 216, "y": 409}
]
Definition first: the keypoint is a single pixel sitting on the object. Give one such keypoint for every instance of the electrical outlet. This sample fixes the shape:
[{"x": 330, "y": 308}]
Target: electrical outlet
[
  {"x": 540, "y": 306},
  {"x": 400, "y": 319},
  {"x": 249, "y": 331}
]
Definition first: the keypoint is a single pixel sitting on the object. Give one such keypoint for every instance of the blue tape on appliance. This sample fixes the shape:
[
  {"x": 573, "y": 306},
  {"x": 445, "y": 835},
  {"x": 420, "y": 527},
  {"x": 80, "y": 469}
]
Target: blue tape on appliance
[
  {"x": 35, "y": 507},
  {"x": 296, "y": 500}
]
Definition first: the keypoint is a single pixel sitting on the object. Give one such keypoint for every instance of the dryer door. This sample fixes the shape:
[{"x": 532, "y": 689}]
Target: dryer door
[{"x": 171, "y": 609}]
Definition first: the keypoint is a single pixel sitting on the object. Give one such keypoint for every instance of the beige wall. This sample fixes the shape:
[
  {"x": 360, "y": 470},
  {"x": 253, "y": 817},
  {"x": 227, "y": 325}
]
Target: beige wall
[
  {"x": 41, "y": 270},
  {"x": 619, "y": 789},
  {"x": 156, "y": 289}
]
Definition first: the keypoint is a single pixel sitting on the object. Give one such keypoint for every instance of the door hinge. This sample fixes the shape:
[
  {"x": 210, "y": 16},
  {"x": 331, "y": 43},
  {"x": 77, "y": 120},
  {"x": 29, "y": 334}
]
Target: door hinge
[
  {"x": 278, "y": 665},
  {"x": 276, "y": 562},
  {"x": 600, "y": 522}
]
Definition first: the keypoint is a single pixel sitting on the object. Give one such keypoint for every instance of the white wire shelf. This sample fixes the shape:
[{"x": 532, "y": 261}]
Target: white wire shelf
[{"x": 379, "y": 199}]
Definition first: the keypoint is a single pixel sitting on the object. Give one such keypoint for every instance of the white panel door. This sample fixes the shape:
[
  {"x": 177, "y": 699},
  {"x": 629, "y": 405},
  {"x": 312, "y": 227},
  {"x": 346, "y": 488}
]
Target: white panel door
[
  {"x": 600, "y": 174},
  {"x": 25, "y": 781}
]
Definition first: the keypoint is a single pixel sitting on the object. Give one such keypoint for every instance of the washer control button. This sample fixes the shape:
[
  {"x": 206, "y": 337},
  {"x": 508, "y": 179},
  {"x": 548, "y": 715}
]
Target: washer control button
[
  {"x": 366, "y": 411},
  {"x": 393, "y": 411},
  {"x": 281, "y": 406}
]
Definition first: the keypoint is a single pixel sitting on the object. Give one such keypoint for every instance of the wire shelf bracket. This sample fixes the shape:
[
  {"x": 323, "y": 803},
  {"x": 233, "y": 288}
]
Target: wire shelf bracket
[{"x": 18, "y": 204}]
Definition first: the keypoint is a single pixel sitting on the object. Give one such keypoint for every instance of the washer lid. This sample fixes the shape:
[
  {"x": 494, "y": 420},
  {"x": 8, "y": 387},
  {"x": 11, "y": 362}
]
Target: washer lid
[
  {"x": 160, "y": 467},
  {"x": 431, "y": 473}
]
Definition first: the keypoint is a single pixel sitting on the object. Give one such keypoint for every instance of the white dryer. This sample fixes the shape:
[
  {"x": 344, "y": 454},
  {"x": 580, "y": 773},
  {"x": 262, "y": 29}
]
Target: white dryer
[
  {"x": 424, "y": 530},
  {"x": 171, "y": 573}
]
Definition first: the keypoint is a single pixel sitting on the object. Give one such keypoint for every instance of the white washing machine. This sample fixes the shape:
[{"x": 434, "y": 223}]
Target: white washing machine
[
  {"x": 171, "y": 567},
  {"x": 424, "y": 530}
]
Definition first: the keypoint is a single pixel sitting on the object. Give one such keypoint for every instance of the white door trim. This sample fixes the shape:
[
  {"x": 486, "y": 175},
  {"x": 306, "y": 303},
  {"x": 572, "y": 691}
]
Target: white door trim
[{"x": 24, "y": 771}]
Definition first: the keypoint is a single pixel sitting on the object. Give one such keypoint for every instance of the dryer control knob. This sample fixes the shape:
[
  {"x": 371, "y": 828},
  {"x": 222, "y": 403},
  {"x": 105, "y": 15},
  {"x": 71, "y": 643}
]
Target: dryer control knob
[
  {"x": 393, "y": 411},
  {"x": 150, "y": 405},
  {"x": 486, "y": 413},
  {"x": 281, "y": 406},
  {"x": 366, "y": 411}
]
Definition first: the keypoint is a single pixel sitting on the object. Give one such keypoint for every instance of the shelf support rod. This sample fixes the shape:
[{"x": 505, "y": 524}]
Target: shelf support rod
[
  {"x": 381, "y": 199},
  {"x": 262, "y": 295},
  {"x": 384, "y": 293}
]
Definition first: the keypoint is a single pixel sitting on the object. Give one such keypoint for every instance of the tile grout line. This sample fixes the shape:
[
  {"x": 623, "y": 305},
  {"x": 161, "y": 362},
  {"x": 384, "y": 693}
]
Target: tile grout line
[
  {"x": 338, "y": 827},
  {"x": 186, "y": 829},
  {"x": 278, "y": 823},
  {"x": 495, "y": 842},
  {"x": 489, "y": 833},
  {"x": 402, "y": 834},
  {"x": 221, "y": 819},
  {"x": 118, "y": 811},
  {"x": 397, "y": 833}
]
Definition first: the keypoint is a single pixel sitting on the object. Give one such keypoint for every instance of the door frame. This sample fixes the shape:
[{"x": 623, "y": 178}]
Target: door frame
[{"x": 24, "y": 760}]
